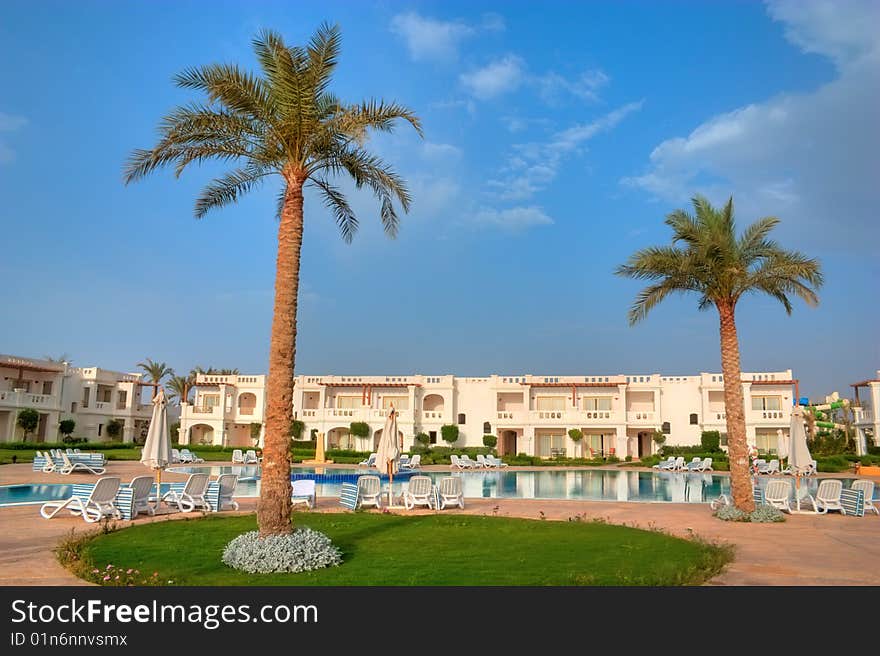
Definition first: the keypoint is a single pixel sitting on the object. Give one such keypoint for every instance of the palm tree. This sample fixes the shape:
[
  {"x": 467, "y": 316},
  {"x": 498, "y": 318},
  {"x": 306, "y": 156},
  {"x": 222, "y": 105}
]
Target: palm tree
[
  {"x": 64, "y": 357},
  {"x": 284, "y": 122},
  {"x": 722, "y": 268},
  {"x": 180, "y": 387},
  {"x": 156, "y": 371}
]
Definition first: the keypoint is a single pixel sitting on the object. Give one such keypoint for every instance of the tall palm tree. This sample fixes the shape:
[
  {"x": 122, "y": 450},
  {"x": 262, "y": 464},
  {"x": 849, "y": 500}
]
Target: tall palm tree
[
  {"x": 721, "y": 267},
  {"x": 180, "y": 387},
  {"x": 156, "y": 371},
  {"x": 285, "y": 122}
]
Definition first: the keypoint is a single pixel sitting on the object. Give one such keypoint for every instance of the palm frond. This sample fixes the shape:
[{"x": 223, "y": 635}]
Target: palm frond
[
  {"x": 228, "y": 188},
  {"x": 335, "y": 201}
]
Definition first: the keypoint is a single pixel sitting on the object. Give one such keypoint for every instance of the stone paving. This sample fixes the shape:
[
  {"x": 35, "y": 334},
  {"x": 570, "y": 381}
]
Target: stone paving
[{"x": 804, "y": 550}]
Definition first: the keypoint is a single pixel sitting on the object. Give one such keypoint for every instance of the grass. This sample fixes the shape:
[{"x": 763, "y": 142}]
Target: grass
[{"x": 397, "y": 550}]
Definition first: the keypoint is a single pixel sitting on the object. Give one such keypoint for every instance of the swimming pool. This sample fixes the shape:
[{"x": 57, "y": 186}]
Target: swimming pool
[{"x": 582, "y": 485}]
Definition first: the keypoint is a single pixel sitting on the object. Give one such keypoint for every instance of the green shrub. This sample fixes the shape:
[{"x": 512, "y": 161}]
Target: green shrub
[
  {"x": 766, "y": 514},
  {"x": 256, "y": 429},
  {"x": 449, "y": 433},
  {"x": 490, "y": 441},
  {"x": 66, "y": 427},
  {"x": 28, "y": 420},
  {"x": 359, "y": 429},
  {"x": 710, "y": 441},
  {"x": 423, "y": 439},
  {"x": 113, "y": 428},
  {"x": 731, "y": 514},
  {"x": 296, "y": 429}
]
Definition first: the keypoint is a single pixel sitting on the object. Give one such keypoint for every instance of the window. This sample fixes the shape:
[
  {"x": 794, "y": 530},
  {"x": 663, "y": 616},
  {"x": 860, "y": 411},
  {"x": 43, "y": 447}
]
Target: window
[
  {"x": 73, "y": 407},
  {"x": 100, "y": 426},
  {"x": 487, "y": 428},
  {"x": 85, "y": 402},
  {"x": 766, "y": 441},
  {"x": 211, "y": 400},
  {"x": 597, "y": 403},
  {"x": 461, "y": 418},
  {"x": 432, "y": 437},
  {"x": 399, "y": 402},
  {"x": 47, "y": 387},
  {"x": 665, "y": 428},
  {"x": 551, "y": 445},
  {"x": 694, "y": 419},
  {"x": 348, "y": 402},
  {"x": 766, "y": 403},
  {"x": 556, "y": 403},
  {"x": 723, "y": 439},
  {"x": 123, "y": 398}
]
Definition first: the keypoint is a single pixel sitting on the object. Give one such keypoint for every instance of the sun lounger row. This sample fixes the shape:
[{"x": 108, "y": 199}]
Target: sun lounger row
[
  {"x": 678, "y": 464},
  {"x": 248, "y": 458},
  {"x": 831, "y": 495},
  {"x": 109, "y": 497},
  {"x": 59, "y": 462},
  {"x": 406, "y": 462},
  {"x": 419, "y": 491},
  {"x": 482, "y": 462}
]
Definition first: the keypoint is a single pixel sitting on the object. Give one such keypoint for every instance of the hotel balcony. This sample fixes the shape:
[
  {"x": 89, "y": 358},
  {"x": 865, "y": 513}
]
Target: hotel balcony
[
  {"x": 348, "y": 415},
  {"x": 511, "y": 417},
  {"x": 759, "y": 417},
  {"x": 23, "y": 399},
  {"x": 573, "y": 417},
  {"x": 642, "y": 418},
  {"x": 436, "y": 417}
]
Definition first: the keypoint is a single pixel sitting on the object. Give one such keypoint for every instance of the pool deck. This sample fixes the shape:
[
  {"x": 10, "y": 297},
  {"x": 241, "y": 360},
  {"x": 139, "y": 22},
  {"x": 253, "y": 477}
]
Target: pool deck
[{"x": 804, "y": 550}]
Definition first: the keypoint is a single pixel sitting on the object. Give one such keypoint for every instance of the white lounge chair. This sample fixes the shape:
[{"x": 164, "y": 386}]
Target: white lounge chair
[
  {"x": 141, "y": 489},
  {"x": 678, "y": 465},
  {"x": 418, "y": 492},
  {"x": 414, "y": 463},
  {"x": 191, "y": 496},
  {"x": 497, "y": 463},
  {"x": 369, "y": 462},
  {"x": 303, "y": 491},
  {"x": 237, "y": 456},
  {"x": 175, "y": 455},
  {"x": 69, "y": 467},
  {"x": 99, "y": 504},
  {"x": 828, "y": 497},
  {"x": 665, "y": 464},
  {"x": 49, "y": 462},
  {"x": 868, "y": 488},
  {"x": 482, "y": 462},
  {"x": 226, "y": 488},
  {"x": 771, "y": 467},
  {"x": 455, "y": 461},
  {"x": 369, "y": 490},
  {"x": 250, "y": 457},
  {"x": 467, "y": 462},
  {"x": 778, "y": 494},
  {"x": 694, "y": 465},
  {"x": 450, "y": 492}
]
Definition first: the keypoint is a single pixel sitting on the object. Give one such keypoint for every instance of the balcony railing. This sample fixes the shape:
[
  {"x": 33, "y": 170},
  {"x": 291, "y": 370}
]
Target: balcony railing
[
  {"x": 638, "y": 416},
  {"x": 433, "y": 415},
  {"x": 12, "y": 397},
  {"x": 601, "y": 415},
  {"x": 768, "y": 415},
  {"x": 204, "y": 410},
  {"x": 311, "y": 414}
]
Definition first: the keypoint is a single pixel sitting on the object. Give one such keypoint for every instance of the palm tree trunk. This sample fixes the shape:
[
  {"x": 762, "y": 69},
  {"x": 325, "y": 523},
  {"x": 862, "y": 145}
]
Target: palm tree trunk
[
  {"x": 738, "y": 450},
  {"x": 273, "y": 510}
]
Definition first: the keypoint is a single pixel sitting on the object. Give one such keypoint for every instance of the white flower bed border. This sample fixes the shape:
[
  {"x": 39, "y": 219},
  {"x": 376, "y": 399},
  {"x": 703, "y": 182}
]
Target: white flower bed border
[{"x": 303, "y": 550}]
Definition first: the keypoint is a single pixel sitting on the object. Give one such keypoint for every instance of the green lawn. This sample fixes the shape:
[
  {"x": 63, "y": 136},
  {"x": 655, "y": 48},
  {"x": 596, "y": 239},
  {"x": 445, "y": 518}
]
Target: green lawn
[{"x": 383, "y": 549}]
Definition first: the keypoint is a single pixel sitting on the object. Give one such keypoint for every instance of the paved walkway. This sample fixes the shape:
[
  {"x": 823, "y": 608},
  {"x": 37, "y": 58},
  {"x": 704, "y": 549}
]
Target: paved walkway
[{"x": 804, "y": 550}]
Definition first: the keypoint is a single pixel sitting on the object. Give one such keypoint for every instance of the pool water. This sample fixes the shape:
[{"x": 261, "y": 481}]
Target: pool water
[{"x": 584, "y": 485}]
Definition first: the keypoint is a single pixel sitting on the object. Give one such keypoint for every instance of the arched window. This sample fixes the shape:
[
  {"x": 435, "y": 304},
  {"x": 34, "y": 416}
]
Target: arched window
[
  {"x": 665, "y": 429},
  {"x": 693, "y": 419},
  {"x": 461, "y": 418},
  {"x": 487, "y": 428}
]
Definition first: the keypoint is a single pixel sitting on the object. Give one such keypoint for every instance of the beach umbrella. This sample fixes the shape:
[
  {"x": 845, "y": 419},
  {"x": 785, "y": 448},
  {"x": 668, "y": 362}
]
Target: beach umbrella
[
  {"x": 388, "y": 453},
  {"x": 156, "y": 453},
  {"x": 799, "y": 459}
]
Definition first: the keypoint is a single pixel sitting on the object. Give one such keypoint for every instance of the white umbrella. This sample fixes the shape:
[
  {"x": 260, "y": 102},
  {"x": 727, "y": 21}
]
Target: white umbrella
[
  {"x": 156, "y": 453},
  {"x": 388, "y": 453},
  {"x": 799, "y": 460}
]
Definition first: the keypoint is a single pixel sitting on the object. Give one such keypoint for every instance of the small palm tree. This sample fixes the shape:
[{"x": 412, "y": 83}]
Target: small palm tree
[
  {"x": 180, "y": 387},
  {"x": 156, "y": 371},
  {"x": 285, "y": 122},
  {"x": 722, "y": 268}
]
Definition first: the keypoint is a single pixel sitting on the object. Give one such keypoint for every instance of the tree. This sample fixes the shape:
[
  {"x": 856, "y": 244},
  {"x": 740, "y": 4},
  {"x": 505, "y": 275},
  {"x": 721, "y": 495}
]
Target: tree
[
  {"x": 423, "y": 438},
  {"x": 296, "y": 429},
  {"x": 256, "y": 429},
  {"x": 156, "y": 371},
  {"x": 28, "y": 420},
  {"x": 66, "y": 427},
  {"x": 180, "y": 386},
  {"x": 114, "y": 429},
  {"x": 284, "y": 122},
  {"x": 359, "y": 429},
  {"x": 490, "y": 441},
  {"x": 708, "y": 258},
  {"x": 576, "y": 435},
  {"x": 449, "y": 433}
]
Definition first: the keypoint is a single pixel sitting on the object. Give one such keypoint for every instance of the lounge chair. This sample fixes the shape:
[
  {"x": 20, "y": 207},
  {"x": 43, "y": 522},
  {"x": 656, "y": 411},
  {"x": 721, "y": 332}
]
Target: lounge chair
[
  {"x": 665, "y": 464},
  {"x": 303, "y": 491},
  {"x": 369, "y": 462},
  {"x": 226, "y": 484},
  {"x": 418, "y": 492},
  {"x": 468, "y": 463},
  {"x": 482, "y": 462},
  {"x": 450, "y": 492},
  {"x": 868, "y": 488},
  {"x": 369, "y": 490},
  {"x": 175, "y": 455},
  {"x": 191, "y": 496},
  {"x": 48, "y": 461},
  {"x": 455, "y": 461},
  {"x": 141, "y": 489},
  {"x": 704, "y": 466},
  {"x": 237, "y": 456},
  {"x": 97, "y": 505},
  {"x": 778, "y": 494},
  {"x": 414, "y": 463},
  {"x": 678, "y": 465},
  {"x": 69, "y": 467},
  {"x": 694, "y": 465},
  {"x": 495, "y": 462},
  {"x": 250, "y": 457},
  {"x": 828, "y": 497},
  {"x": 771, "y": 467}
]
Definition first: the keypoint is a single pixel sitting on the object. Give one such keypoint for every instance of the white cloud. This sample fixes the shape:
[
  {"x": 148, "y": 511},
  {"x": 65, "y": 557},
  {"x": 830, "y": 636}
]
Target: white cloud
[
  {"x": 439, "y": 40},
  {"x": 513, "y": 218},
  {"x": 534, "y": 165},
  {"x": 810, "y": 158},
  {"x": 498, "y": 77},
  {"x": 440, "y": 151},
  {"x": 553, "y": 86},
  {"x": 9, "y": 123}
]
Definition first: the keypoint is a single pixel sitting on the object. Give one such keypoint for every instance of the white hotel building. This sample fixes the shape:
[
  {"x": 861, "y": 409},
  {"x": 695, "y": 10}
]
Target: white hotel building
[
  {"x": 91, "y": 396},
  {"x": 528, "y": 414}
]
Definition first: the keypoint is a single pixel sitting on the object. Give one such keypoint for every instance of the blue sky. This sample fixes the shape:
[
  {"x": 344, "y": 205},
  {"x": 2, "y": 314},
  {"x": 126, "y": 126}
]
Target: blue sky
[{"x": 557, "y": 138}]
